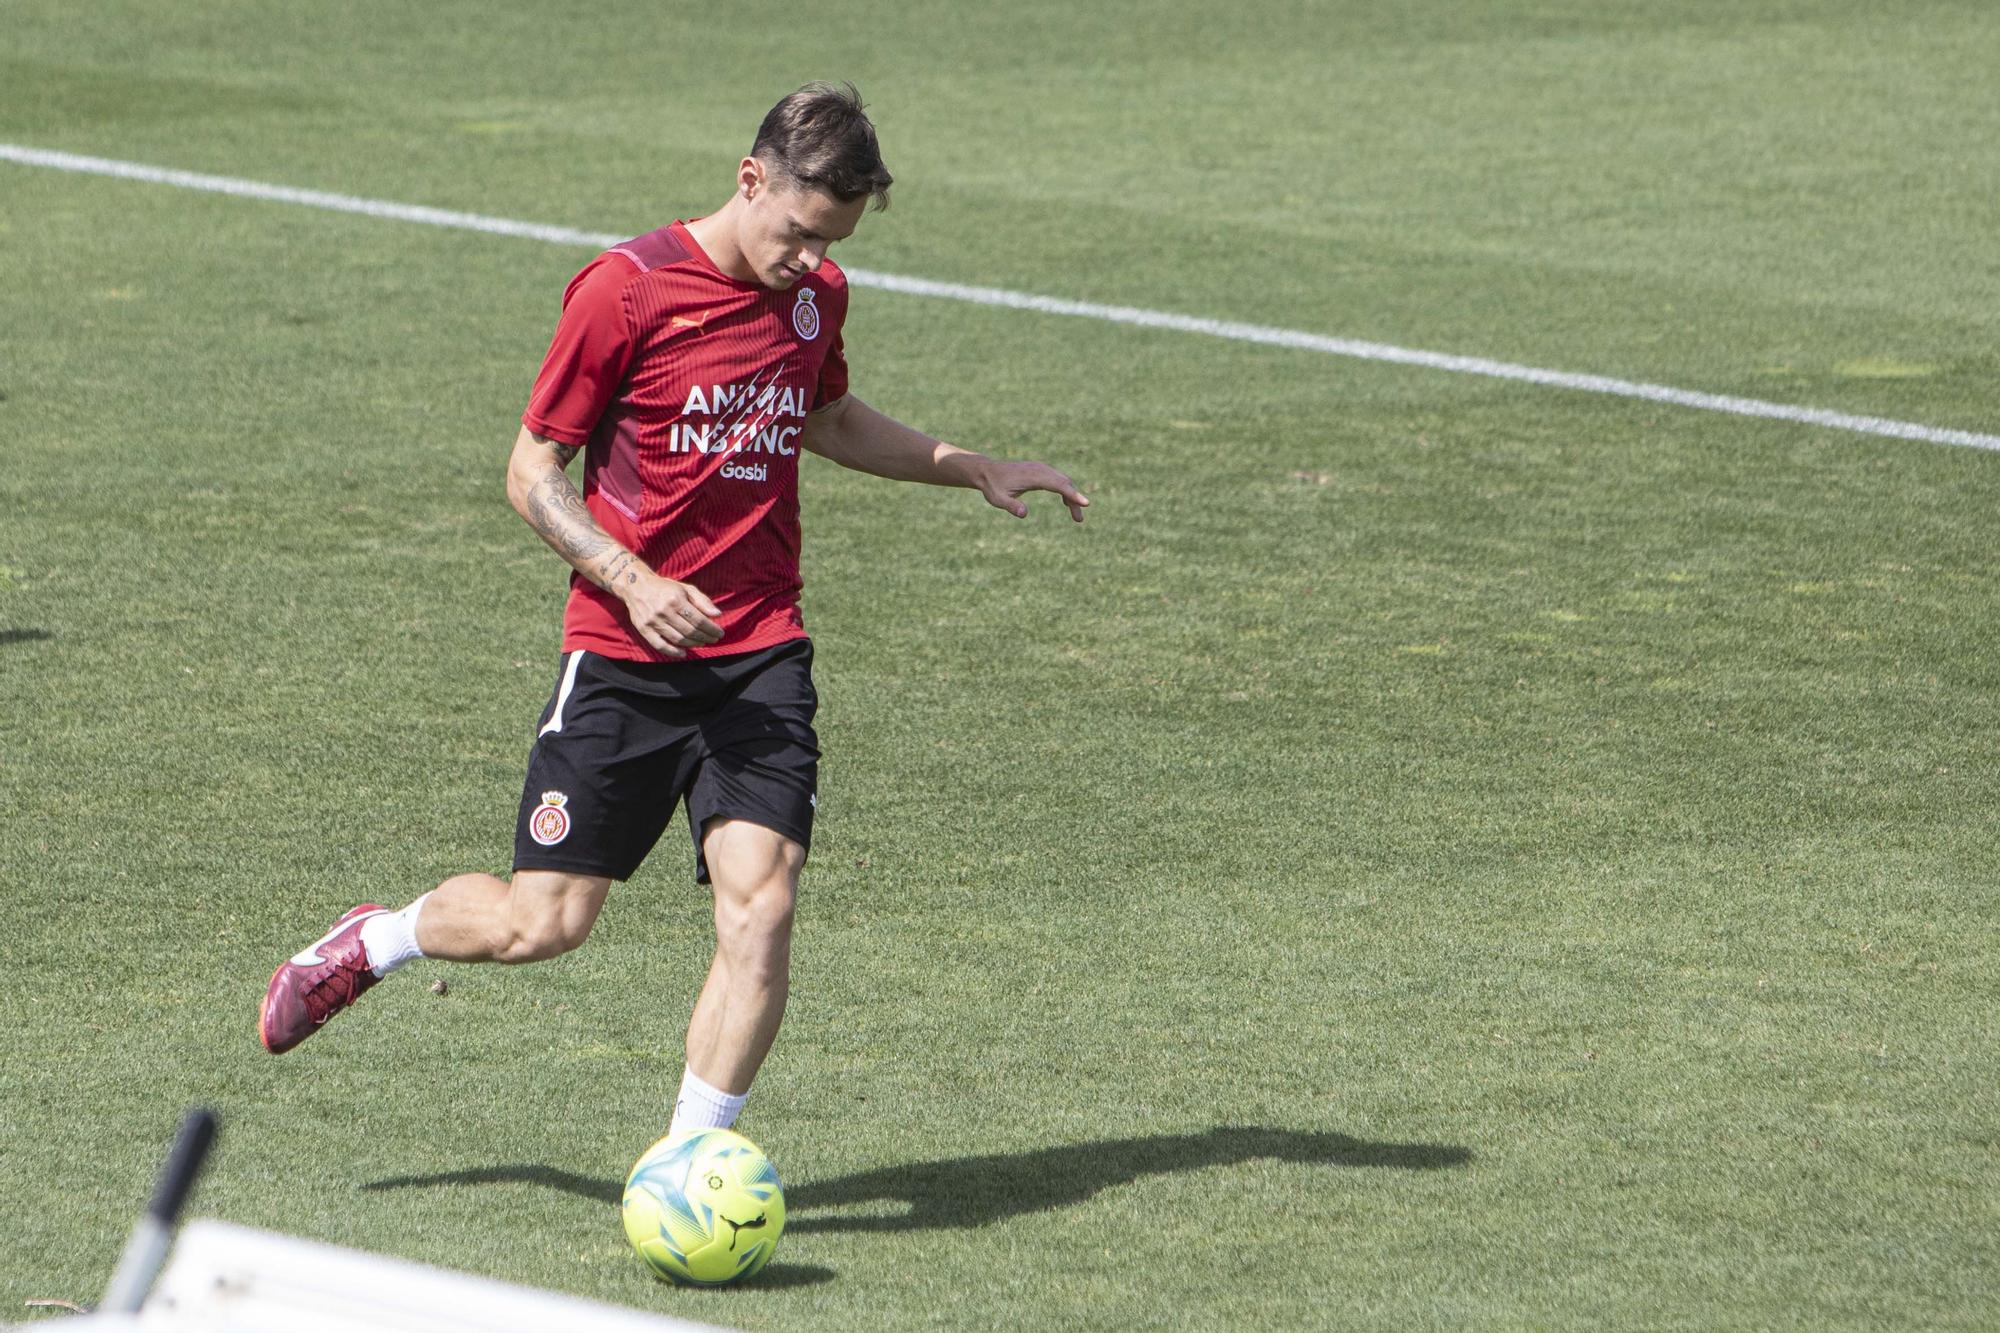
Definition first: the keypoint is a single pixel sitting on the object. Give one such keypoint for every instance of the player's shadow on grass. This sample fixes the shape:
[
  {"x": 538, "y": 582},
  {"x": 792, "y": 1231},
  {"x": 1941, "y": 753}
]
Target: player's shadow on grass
[
  {"x": 975, "y": 1191},
  {"x": 521, "y": 1173},
  {"x": 24, "y": 635}
]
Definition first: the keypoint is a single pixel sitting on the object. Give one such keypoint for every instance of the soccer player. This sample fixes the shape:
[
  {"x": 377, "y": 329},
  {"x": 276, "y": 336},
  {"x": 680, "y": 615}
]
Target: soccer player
[{"x": 690, "y": 366}]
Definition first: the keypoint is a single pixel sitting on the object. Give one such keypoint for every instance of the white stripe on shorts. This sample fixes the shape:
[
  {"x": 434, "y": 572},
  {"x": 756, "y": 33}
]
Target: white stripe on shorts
[{"x": 562, "y": 695}]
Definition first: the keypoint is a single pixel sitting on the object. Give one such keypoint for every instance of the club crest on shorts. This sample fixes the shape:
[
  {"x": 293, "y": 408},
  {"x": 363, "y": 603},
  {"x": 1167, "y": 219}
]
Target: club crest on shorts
[
  {"x": 549, "y": 824},
  {"x": 805, "y": 315}
]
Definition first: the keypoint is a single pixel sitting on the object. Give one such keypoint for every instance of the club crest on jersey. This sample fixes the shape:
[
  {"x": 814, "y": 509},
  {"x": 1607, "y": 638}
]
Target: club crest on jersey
[
  {"x": 805, "y": 315},
  {"x": 549, "y": 824}
]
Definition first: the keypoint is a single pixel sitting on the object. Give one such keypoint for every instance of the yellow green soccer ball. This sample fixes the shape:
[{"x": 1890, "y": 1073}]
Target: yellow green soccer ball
[{"x": 704, "y": 1208}]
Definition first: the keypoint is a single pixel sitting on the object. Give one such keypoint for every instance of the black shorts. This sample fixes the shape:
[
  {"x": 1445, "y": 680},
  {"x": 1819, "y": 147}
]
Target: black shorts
[{"x": 622, "y": 742}]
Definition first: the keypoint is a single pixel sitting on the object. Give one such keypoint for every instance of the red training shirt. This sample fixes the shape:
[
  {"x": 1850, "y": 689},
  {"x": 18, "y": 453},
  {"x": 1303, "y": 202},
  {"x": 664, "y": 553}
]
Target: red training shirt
[{"x": 688, "y": 389}]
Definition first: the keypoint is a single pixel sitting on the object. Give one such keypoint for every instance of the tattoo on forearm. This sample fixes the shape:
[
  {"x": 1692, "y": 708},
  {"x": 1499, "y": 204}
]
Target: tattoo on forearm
[
  {"x": 558, "y": 513},
  {"x": 619, "y": 569},
  {"x": 564, "y": 452}
]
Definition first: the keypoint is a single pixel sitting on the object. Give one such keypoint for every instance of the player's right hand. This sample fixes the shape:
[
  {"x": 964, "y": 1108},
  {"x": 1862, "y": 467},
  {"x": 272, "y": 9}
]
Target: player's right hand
[{"x": 669, "y": 615}]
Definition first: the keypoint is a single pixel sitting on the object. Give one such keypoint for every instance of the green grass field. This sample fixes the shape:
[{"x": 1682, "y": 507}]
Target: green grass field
[{"x": 1429, "y": 852}]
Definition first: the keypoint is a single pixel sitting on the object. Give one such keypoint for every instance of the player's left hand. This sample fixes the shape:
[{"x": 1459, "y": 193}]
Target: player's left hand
[{"x": 1003, "y": 484}]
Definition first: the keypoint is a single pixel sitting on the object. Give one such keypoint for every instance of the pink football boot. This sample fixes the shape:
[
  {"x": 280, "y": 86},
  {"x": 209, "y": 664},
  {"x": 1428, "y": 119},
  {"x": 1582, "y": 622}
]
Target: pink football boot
[{"x": 317, "y": 984}]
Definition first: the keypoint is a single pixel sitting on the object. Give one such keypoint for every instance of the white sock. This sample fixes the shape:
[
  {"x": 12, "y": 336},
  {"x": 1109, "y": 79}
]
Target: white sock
[
  {"x": 390, "y": 938},
  {"x": 703, "y": 1107}
]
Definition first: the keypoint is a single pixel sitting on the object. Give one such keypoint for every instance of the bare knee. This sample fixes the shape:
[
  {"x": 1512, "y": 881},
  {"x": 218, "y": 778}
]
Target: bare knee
[
  {"x": 755, "y": 872},
  {"x": 755, "y": 921},
  {"x": 531, "y": 943},
  {"x": 547, "y": 915}
]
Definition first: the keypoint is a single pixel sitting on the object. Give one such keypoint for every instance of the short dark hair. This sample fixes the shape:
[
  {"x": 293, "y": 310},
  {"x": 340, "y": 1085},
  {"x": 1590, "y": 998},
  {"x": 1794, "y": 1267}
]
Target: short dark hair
[{"x": 820, "y": 137}]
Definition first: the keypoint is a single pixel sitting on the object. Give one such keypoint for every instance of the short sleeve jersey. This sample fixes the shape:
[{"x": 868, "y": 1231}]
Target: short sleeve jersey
[{"x": 688, "y": 390}]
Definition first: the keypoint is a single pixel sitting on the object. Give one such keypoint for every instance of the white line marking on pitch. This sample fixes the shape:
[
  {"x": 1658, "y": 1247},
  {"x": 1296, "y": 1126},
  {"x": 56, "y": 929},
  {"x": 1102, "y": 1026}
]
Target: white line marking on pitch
[{"x": 1047, "y": 305}]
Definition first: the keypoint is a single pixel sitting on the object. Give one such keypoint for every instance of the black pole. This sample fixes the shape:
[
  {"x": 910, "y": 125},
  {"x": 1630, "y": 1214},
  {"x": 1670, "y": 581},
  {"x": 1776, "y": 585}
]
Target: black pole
[{"x": 146, "y": 1249}]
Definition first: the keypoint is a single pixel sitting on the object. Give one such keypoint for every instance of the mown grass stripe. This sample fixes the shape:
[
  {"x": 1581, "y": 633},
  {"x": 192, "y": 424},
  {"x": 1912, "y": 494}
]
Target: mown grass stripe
[{"x": 1132, "y": 316}]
